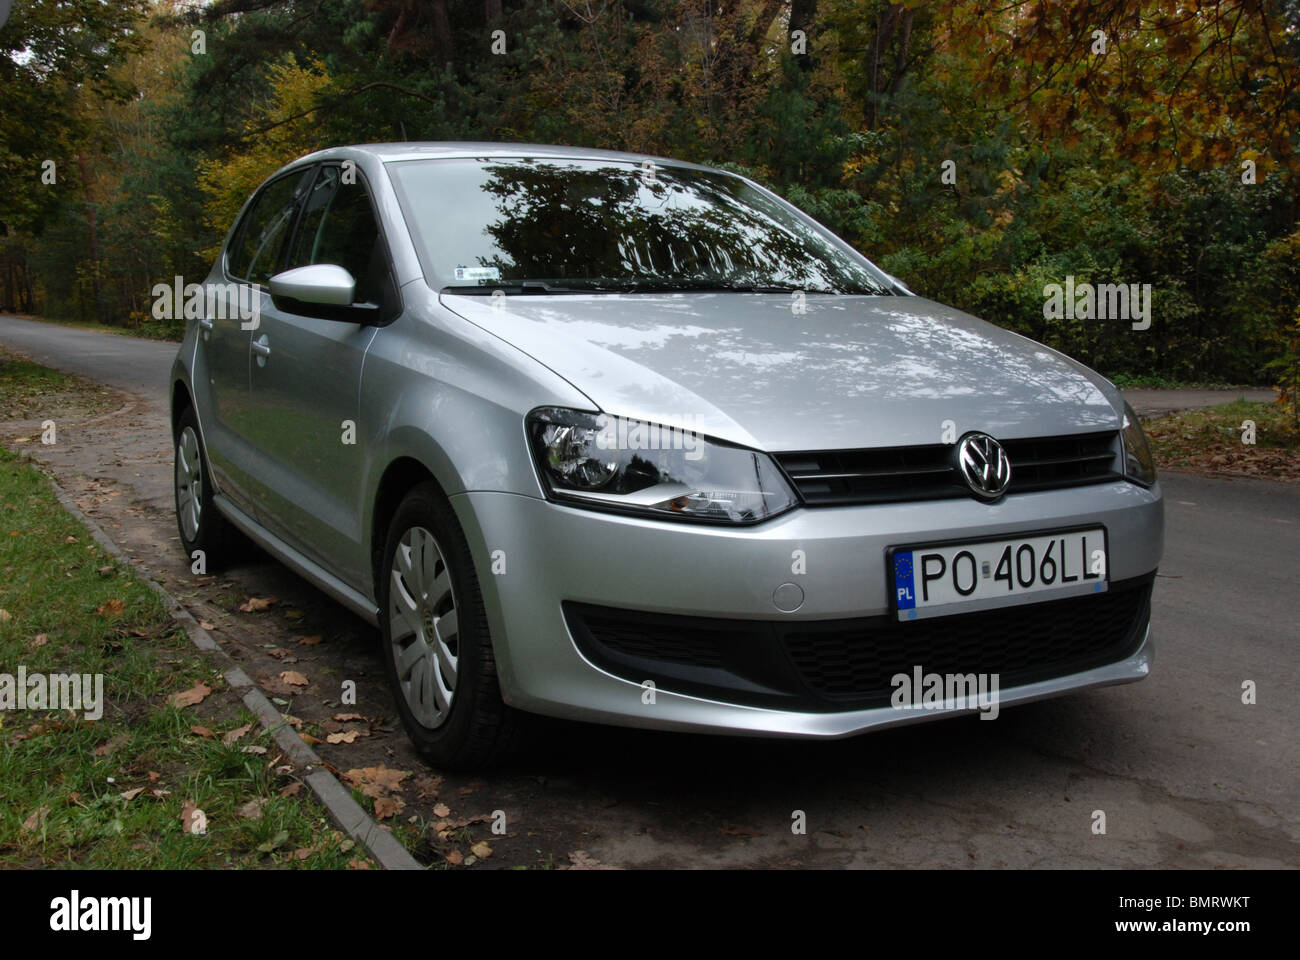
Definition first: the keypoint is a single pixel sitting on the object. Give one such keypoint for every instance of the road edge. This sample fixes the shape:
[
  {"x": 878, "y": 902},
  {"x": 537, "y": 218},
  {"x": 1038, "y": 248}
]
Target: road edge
[{"x": 332, "y": 795}]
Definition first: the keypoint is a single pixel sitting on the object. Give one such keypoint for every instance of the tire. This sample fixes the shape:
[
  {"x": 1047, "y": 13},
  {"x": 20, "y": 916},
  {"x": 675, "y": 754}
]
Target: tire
[
  {"x": 437, "y": 649},
  {"x": 200, "y": 524}
]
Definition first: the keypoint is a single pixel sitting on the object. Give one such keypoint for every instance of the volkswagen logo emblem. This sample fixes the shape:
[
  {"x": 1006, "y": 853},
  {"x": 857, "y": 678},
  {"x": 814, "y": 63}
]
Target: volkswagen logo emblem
[{"x": 984, "y": 465}]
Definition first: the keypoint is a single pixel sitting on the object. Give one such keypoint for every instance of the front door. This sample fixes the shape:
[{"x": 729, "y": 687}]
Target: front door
[{"x": 306, "y": 377}]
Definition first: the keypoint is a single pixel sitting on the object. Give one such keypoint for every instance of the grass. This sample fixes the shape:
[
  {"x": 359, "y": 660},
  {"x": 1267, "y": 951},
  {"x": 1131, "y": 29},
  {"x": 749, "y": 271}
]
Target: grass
[
  {"x": 1146, "y": 381},
  {"x": 109, "y": 792},
  {"x": 29, "y": 390},
  {"x": 1211, "y": 440}
]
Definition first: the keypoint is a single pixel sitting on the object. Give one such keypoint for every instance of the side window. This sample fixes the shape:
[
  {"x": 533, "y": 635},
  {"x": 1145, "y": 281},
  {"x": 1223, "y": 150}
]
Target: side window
[
  {"x": 256, "y": 249},
  {"x": 338, "y": 226}
]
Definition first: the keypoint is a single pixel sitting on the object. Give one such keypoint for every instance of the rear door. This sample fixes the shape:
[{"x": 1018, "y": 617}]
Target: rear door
[
  {"x": 306, "y": 373},
  {"x": 236, "y": 296}
]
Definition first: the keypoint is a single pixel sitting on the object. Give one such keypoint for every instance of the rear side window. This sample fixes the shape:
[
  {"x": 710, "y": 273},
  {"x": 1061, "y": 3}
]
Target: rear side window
[
  {"x": 258, "y": 246},
  {"x": 338, "y": 226}
]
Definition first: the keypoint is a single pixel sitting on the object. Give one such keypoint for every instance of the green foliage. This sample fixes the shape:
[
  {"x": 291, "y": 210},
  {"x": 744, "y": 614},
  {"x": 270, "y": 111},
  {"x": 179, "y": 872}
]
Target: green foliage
[{"x": 1115, "y": 169}]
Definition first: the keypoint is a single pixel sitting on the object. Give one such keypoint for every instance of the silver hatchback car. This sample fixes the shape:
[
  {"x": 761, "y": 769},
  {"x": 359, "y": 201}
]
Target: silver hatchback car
[{"x": 618, "y": 438}]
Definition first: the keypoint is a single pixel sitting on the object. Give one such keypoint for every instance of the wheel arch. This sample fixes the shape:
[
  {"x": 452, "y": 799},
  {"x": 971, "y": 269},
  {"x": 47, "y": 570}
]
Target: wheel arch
[{"x": 181, "y": 400}]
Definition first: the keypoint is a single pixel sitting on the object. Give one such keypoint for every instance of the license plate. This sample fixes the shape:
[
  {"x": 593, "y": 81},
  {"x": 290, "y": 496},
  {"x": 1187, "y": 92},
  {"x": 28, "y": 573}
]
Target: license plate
[{"x": 940, "y": 579}]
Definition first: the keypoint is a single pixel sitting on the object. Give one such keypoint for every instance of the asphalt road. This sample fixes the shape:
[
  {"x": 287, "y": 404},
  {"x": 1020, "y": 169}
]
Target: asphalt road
[
  {"x": 127, "y": 363},
  {"x": 1185, "y": 772}
]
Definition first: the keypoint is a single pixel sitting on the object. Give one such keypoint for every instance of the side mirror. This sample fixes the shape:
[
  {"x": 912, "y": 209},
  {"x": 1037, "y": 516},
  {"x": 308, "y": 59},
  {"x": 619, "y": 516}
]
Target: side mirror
[{"x": 320, "y": 284}]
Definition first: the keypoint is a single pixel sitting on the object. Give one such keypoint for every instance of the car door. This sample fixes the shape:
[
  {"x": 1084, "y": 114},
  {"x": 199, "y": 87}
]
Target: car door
[
  {"x": 306, "y": 373},
  {"x": 234, "y": 297}
]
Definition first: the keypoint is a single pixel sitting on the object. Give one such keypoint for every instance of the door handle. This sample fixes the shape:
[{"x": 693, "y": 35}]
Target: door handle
[{"x": 262, "y": 347}]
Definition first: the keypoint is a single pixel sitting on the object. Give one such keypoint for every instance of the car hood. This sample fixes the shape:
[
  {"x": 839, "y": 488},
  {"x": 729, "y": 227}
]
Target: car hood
[{"x": 850, "y": 372}]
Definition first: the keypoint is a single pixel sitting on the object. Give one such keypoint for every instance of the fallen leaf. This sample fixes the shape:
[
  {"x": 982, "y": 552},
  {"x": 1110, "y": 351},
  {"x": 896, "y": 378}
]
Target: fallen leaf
[
  {"x": 232, "y": 735},
  {"x": 154, "y": 776},
  {"x": 40, "y": 640},
  {"x": 376, "y": 781},
  {"x": 291, "y": 790},
  {"x": 5, "y": 615},
  {"x": 347, "y": 717},
  {"x": 188, "y": 698},
  {"x": 69, "y": 539},
  {"x": 108, "y": 747},
  {"x": 256, "y": 604},
  {"x": 358, "y": 865},
  {"x": 291, "y": 720},
  {"x": 347, "y": 736},
  {"x": 193, "y": 820},
  {"x": 257, "y": 750},
  {"x": 112, "y": 608},
  {"x": 428, "y": 787},
  {"x": 207, "y": 625},
  {"x": 310, "y": 641},
  {"x": 203, "y": 732},
  {"x": 741, "y": 832},
  {"x": 302, "y": 853},
  {"x": 130, "y": 795},
  {"x": 581, "y": 860},
  {"x": 36, "y": 820},
  {"x": 274, "y": 685},
  {"x": 441, "y": 811},
  {"x": 294, "y": 678},
  {"x": 386, "y": 807},
  {"x": 307, "y": 738},
  {"x": 481, "y": 850},
  {"x": 455, "y": 858},
  {"x": 161, "y": 793},
  {"x": 253, "y": 809}
]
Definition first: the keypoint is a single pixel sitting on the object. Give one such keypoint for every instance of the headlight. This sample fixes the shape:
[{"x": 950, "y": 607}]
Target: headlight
[
  {"x": 1139, "y": 465},
  {"x": 601, "y": 461}
]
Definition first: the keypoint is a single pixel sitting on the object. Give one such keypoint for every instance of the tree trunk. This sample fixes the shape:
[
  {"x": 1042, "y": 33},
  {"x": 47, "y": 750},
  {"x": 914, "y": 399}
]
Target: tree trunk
[
  {"x": 802, "y": 14},
  {"x": 92, "y": 223}
]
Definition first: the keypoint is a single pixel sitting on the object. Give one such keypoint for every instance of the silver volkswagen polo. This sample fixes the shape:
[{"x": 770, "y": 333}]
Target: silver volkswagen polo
[{"x": 623, "y": 439}]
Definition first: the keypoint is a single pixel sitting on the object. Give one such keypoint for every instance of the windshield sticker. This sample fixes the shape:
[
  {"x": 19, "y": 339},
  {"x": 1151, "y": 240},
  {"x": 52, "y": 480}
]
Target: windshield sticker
[{"x": 472, "y": 274}]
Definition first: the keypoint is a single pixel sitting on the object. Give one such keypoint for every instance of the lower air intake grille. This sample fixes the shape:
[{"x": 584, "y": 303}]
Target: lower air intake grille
[{"x": 826, "y": 665}]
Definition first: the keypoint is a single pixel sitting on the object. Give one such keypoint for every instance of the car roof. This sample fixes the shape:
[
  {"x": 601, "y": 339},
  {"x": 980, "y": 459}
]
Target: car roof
[{"x": 431, "y": 150}]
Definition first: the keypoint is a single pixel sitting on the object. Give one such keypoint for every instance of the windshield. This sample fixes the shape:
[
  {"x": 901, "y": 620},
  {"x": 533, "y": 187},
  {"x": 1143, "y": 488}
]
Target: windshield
[{"x": 591, "y": 225}]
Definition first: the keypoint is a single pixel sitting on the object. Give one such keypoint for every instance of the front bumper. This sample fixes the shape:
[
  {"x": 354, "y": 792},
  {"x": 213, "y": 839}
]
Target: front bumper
[{"x": 533, "y": 557}]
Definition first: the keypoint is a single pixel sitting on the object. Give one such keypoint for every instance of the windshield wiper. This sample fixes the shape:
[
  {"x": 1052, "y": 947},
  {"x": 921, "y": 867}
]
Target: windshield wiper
[
  {"x": 718, "y": 286},
  {"x": 522, "y": 286}
]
